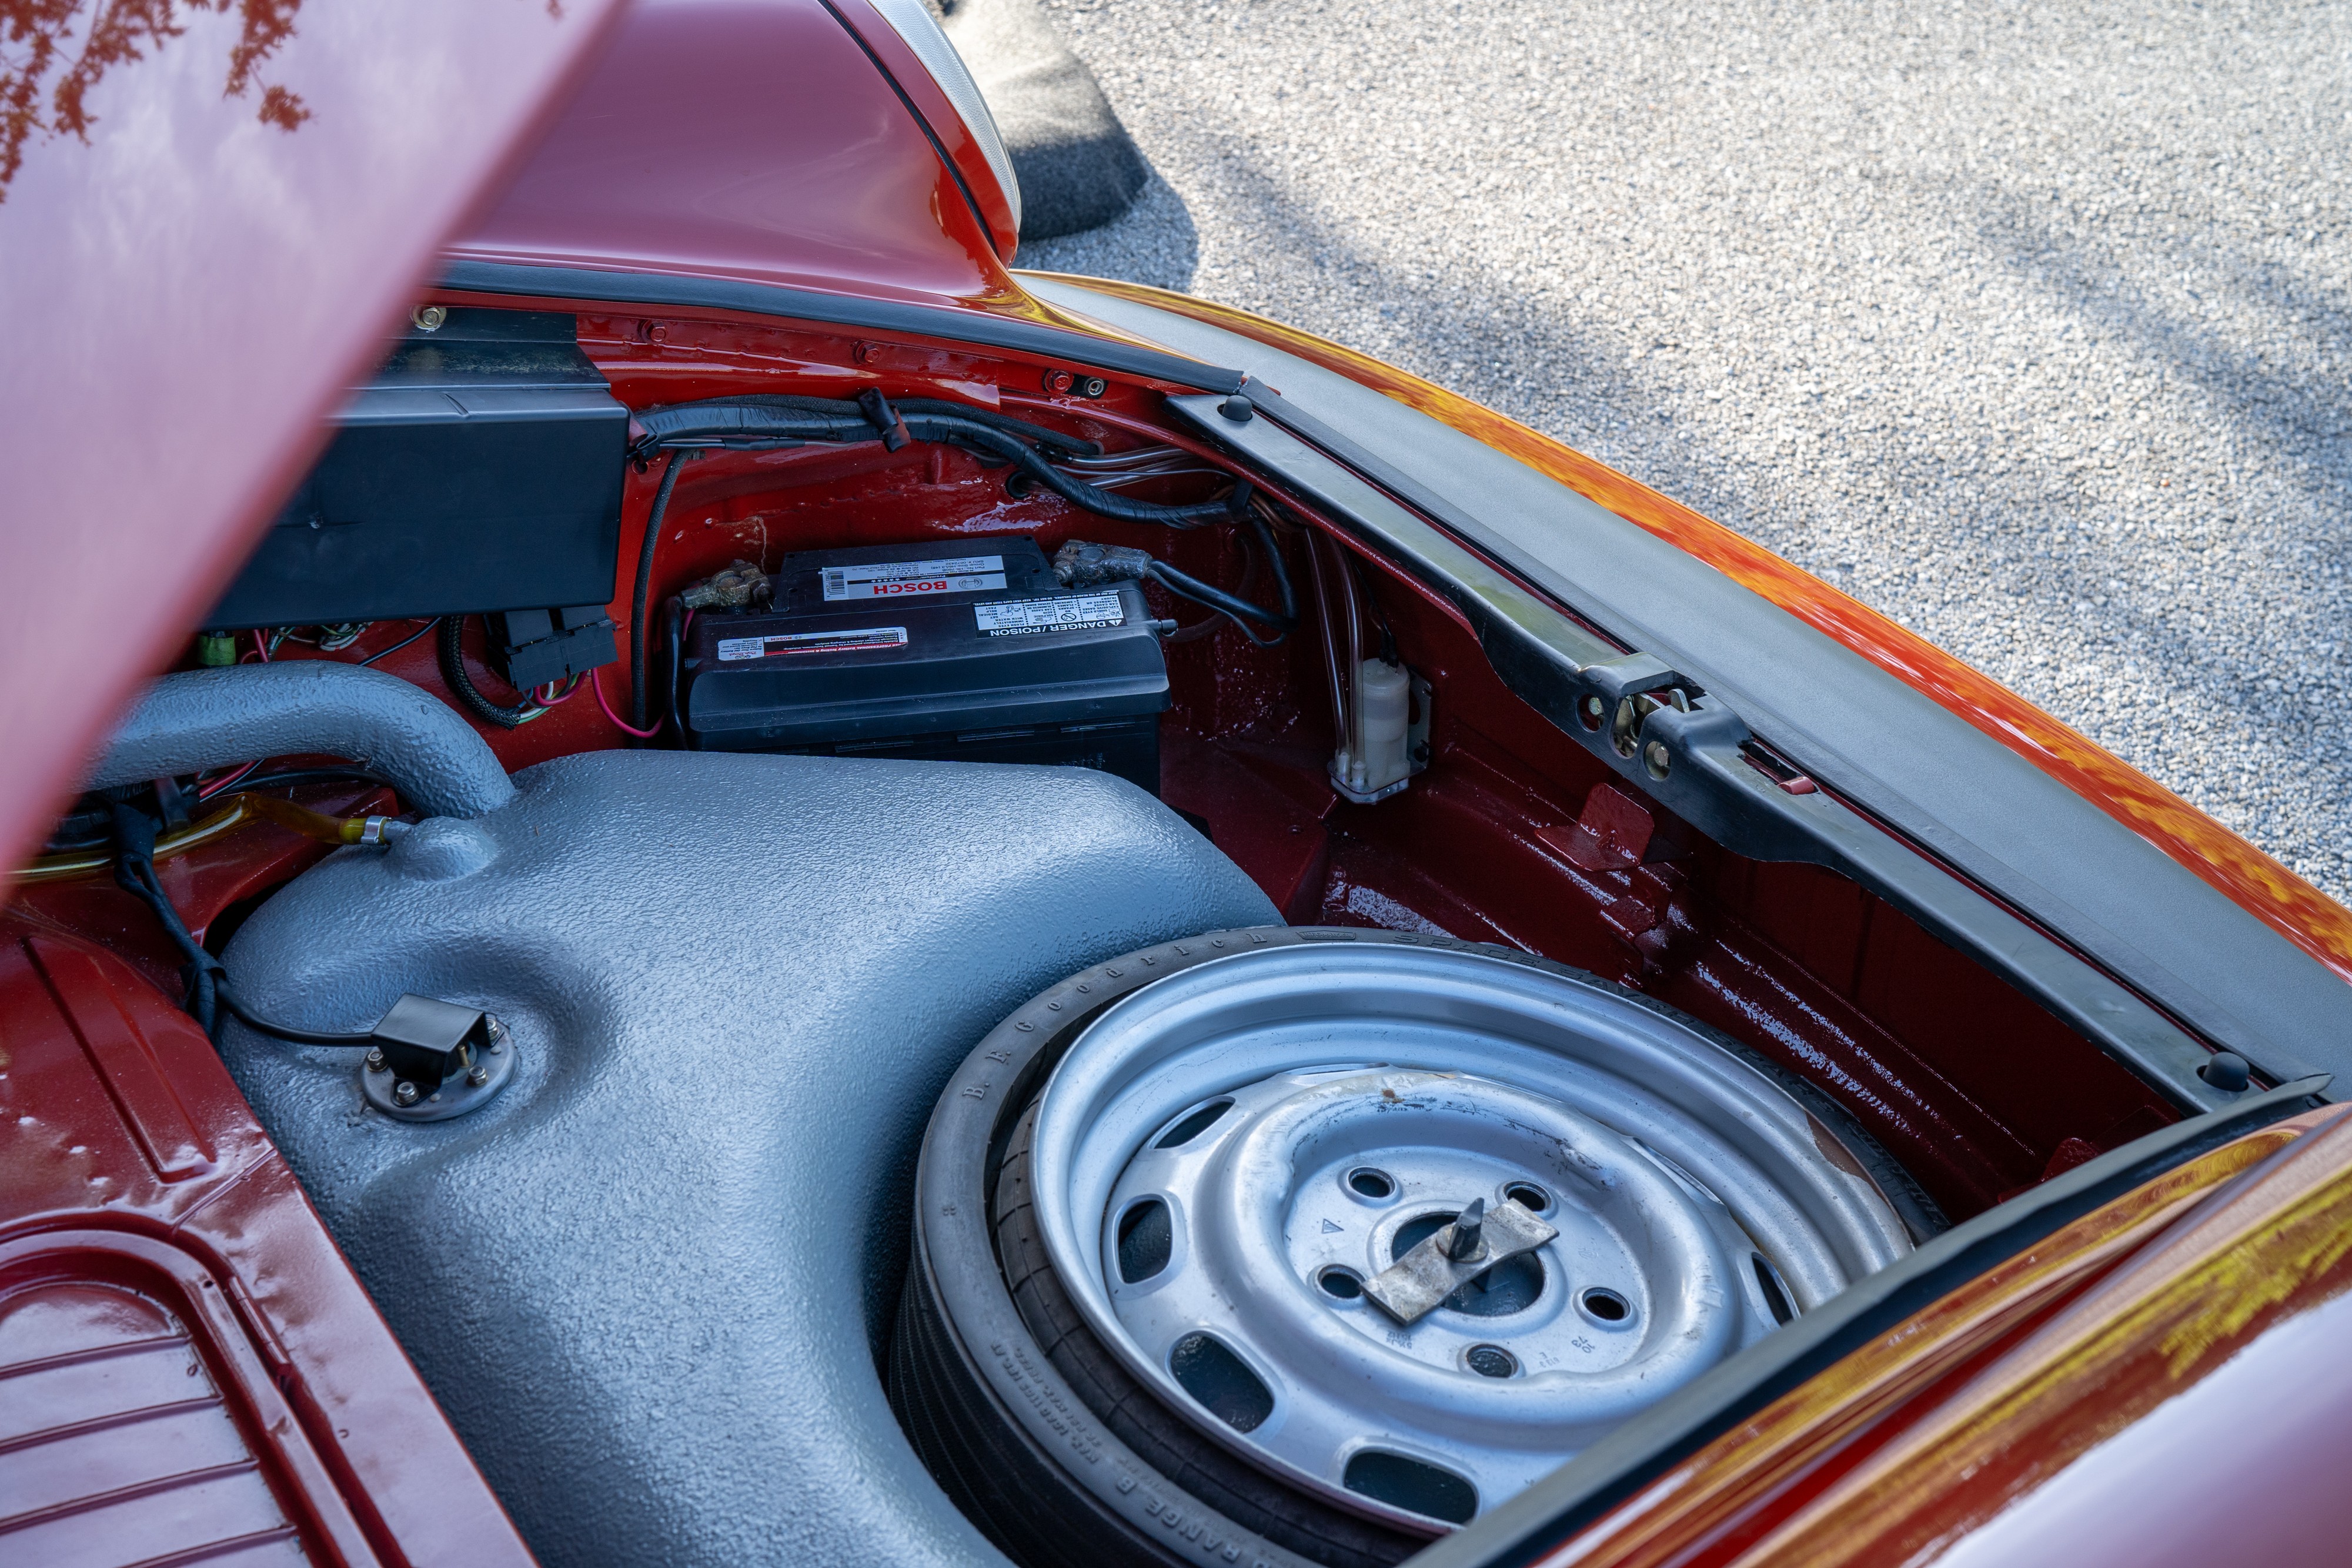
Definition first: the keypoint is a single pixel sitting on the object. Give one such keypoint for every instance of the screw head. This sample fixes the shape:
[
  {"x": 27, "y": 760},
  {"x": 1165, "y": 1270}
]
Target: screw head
[
  {"x": 1657, "y": 758},
  {"x": 428, "y": 317},
  {"x": 375, "y": 1060},
  {"x": 404, "y": 1093}
]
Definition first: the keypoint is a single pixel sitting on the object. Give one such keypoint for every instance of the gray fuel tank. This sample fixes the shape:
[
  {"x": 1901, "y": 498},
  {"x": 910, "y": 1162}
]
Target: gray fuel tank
[{"x": 650, "y": 1282}]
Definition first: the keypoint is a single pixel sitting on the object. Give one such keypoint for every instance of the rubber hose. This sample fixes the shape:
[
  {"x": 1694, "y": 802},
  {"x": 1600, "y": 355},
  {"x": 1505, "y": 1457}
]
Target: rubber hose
[
  {"x": 1240, "y": 611},
  {"x": 1281, "y": 573},
  {"x": 675, "y": 614},
  {"x": 842, "y": 420},
  {"x": 640, "y": 645},
  {"x": 963, "y": 432},
  {"x": 746, "y": 425},
  {"x": 406, "y": 737}
]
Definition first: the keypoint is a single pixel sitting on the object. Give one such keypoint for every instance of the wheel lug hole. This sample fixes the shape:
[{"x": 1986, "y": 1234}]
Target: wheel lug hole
[
  {"x": 1528, "y": 1195},
  {"x": 1371, "y": 1183},
  {"x": 1340, "y": 1283},
  {"x": 1605, "y": 1305},
  {"x": 1491, "y": 1361}
]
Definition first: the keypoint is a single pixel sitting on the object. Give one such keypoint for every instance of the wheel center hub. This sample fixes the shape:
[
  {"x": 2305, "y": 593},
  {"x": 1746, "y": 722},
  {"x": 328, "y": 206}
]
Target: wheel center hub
[{"x": 1310, "y": 1184}]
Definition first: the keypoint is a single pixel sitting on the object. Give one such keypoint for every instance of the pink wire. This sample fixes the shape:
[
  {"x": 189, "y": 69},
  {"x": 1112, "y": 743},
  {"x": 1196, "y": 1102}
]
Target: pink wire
[
  {"x": 595, "y": 681},
  {"x": 566, "y": 695},
  {"x": 260, "y": 646}
]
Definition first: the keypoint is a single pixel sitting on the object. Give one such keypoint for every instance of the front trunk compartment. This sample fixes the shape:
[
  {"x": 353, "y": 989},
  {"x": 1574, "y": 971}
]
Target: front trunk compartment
[{"x": 654, "y": 1281}]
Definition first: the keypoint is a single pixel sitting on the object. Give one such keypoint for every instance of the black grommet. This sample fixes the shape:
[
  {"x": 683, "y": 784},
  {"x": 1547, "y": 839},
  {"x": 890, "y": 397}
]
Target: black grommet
[
  {"x": 2226, "y": 1072},
  {"x": 1237, "y": 409}
]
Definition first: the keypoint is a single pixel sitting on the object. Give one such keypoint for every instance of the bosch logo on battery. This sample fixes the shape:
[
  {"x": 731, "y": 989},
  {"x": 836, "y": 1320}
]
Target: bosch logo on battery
[{"x": 898, "y": 579}]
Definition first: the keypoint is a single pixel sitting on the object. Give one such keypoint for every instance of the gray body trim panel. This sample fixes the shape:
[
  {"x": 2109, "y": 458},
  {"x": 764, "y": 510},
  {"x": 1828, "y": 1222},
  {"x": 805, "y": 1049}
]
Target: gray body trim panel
[{"x": 1930, "y": 775}]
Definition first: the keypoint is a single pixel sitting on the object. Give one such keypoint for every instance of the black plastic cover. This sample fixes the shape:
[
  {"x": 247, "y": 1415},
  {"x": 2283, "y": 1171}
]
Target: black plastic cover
[
  {"x": 479, "y": 469},
  {"x": 962, "y": 651},
  {"x": 425, "y": 1039}
]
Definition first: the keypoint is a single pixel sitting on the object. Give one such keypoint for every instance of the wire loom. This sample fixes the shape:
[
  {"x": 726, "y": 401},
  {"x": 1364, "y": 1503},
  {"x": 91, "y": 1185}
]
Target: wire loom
[{"x": 765, "y": 423}]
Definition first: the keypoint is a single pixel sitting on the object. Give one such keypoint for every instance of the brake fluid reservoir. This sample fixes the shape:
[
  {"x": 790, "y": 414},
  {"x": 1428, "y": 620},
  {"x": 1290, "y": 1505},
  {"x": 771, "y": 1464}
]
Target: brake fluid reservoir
[{"x": 1384, "y": 696}]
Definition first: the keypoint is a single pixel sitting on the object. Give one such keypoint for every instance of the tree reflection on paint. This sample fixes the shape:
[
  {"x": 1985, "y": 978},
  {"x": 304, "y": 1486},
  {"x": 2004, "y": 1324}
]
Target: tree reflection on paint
[{"x": 45, "y": 84}]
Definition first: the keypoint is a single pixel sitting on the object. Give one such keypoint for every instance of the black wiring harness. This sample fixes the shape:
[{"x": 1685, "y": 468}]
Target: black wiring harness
[
  {"x": 207, "y": 997},
  {"x": 452, "y": 651},
  {"x": 134, "y": 870},
  {"x": 768, "y": 422},
  {"x": 1079, "y": 564},
  {"x": 205, "y": 976}
]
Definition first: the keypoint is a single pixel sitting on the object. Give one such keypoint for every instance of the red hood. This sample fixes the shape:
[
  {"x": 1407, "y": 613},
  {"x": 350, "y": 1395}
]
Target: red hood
[
  {"x": 208, "y": 225},
  {"x": 757, "y": 141}
]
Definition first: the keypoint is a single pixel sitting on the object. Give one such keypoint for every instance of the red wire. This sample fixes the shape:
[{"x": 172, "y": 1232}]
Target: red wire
[
  {"x": 595, "y": 682},
  {"x": 206, "y": 791}
]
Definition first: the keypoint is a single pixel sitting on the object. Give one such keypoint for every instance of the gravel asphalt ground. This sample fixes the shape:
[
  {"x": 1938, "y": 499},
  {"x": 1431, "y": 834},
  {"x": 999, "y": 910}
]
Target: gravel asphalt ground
[{"x": 2025, "y": 323}]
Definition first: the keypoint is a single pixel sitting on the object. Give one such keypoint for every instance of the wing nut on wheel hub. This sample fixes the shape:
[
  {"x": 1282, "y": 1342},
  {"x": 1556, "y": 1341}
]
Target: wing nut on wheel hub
[{"x": 1460, "y": 1254}]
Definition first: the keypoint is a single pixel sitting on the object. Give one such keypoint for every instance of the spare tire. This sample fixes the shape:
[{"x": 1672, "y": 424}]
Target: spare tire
[{"x": 1071, "y": 1360}]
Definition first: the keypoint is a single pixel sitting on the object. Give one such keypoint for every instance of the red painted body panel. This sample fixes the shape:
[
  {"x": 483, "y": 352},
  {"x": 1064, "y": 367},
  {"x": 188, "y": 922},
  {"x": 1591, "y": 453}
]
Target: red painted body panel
[
  {"x": 672, "y": 159},
  {"x": 251, "y": 860},
  {"x": 904, "y": 68},
  {"x": 2244, "y": 874},
  {"x": 2166, "y": 1381},
  {"x": 209, "y": 217},
  {"x": 145, "y": 1215}
]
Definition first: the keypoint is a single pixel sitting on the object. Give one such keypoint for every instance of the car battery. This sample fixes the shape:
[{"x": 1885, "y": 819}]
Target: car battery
[{"x": 978, "y": 656}]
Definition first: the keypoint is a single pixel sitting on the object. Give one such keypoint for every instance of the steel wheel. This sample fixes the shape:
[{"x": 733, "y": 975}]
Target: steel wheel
[{"x": 1223, "y": 1160}]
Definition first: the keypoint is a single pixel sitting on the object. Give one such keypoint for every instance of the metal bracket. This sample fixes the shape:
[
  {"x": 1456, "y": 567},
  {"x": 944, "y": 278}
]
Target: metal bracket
[{"x": 1412, "y": 1286}]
